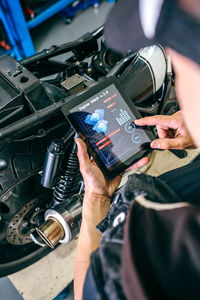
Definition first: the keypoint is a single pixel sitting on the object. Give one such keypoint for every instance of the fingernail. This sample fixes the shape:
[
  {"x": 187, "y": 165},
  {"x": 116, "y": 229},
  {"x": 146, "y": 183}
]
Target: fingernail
[{"x": 155, "y": 145}]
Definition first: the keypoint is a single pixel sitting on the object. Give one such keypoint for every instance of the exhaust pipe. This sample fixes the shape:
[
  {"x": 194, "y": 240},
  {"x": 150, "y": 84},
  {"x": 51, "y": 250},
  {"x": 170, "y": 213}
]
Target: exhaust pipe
[{"x": 62, "y": 223}]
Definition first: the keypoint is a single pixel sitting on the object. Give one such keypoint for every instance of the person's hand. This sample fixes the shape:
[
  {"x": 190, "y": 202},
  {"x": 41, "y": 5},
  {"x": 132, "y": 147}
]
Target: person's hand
[
  {"x": 95, "y": 182},
  {"x": 172, "y": 131}
]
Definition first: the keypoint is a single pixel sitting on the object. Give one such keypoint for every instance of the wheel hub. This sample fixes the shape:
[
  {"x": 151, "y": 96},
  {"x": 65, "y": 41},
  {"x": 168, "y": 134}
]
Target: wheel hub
[{"x": 22, "y": 224}]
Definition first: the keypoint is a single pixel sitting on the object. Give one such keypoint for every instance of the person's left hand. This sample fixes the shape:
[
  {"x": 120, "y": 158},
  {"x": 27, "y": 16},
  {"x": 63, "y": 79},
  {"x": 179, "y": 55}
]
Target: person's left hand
[{"x": 95, "y": 182}]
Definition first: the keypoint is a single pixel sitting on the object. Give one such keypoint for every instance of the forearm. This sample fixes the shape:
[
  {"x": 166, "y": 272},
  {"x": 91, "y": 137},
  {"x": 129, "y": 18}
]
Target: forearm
[{"x": 95, "y": 209}]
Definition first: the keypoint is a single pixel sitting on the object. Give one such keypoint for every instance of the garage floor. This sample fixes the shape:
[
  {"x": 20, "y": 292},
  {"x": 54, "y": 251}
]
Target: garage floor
[{"x": 48, "y": 277}]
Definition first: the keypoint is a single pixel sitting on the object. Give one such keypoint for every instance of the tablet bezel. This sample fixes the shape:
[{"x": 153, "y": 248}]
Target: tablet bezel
[{"x": 120, "y": 166}]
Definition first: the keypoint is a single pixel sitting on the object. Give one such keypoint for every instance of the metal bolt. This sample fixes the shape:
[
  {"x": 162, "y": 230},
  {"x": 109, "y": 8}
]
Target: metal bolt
[
  {"x": 72, "y": 225},
  {"x": 19, "y": 67},
  {"x": 37, "y": 208},
  {"x": 25, "y": 223}
]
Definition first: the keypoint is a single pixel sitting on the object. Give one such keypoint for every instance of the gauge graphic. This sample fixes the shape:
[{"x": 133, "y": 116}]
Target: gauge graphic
[
  {"x": 136, "y": 138},
  {"x": 130, "y": 127}
]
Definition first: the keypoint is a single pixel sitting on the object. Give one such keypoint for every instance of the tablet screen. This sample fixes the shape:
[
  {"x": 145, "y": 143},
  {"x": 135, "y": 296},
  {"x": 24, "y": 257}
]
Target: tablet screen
[{"x": 107, "y": 123}]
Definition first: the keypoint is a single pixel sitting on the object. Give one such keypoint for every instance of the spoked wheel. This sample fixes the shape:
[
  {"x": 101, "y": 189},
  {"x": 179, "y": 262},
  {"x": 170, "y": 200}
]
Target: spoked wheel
[{"x": 21, "y": 209}]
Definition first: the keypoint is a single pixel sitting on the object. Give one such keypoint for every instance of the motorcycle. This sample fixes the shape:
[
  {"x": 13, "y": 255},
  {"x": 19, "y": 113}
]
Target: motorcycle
[{"x": 41, "y": 186}]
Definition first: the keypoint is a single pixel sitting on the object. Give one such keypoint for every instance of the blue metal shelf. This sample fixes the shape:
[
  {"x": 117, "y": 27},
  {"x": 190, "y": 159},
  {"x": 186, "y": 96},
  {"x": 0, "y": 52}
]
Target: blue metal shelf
[
  {"x": 49, "y": 12},
  {"x": 17, "y": 28},
  {"x": 12, "y": 17},
  {"x": 14, "y": 23}
]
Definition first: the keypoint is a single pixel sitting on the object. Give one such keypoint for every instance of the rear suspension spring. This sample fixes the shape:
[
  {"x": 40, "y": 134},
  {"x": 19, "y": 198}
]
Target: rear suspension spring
[{"x": 69, "y": 182}]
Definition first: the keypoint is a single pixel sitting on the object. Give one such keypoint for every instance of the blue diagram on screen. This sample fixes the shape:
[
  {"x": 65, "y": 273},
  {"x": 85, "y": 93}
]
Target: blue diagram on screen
[{"x": 96, "y": 119}]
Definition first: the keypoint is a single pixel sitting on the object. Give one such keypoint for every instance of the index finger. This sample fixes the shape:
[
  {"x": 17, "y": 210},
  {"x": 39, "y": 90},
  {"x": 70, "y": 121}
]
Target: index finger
[{"x": 155, "y": 120}]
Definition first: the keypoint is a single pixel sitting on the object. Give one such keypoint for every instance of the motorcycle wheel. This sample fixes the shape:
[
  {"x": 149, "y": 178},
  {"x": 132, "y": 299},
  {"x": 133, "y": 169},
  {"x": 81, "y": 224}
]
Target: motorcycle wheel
[{"x": 25, "y": 203}]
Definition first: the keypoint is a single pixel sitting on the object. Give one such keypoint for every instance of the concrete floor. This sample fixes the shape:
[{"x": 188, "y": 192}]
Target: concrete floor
[
  {"x": 49, "y": 276},
  {"x": 45, "y": 279}
]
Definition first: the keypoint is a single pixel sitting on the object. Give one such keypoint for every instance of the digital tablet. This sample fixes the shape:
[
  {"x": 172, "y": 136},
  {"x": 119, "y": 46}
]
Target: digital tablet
[{"x": 103, "y": 117}]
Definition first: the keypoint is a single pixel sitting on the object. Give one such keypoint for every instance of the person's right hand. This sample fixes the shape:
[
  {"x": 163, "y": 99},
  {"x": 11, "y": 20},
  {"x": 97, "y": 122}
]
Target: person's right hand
[{"x": 172, "y": 131}]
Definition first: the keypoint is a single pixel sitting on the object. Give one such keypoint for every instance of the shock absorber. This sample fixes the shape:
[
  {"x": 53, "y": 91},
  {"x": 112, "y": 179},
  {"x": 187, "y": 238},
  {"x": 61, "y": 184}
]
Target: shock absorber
[
  {"x": 68, "y": 183},
  {"x": 53, "y": 159}
]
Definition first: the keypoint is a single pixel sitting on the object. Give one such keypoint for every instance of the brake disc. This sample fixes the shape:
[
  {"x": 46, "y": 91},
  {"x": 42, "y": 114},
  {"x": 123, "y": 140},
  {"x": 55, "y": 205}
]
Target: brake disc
[{"x": 17, "y": 231}]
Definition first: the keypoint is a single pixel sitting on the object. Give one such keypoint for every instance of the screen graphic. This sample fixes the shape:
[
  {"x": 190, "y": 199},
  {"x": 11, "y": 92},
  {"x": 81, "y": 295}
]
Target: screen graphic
[
  {"x": 96, "y": 119},
  {"x": 108, "y": 124}
]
